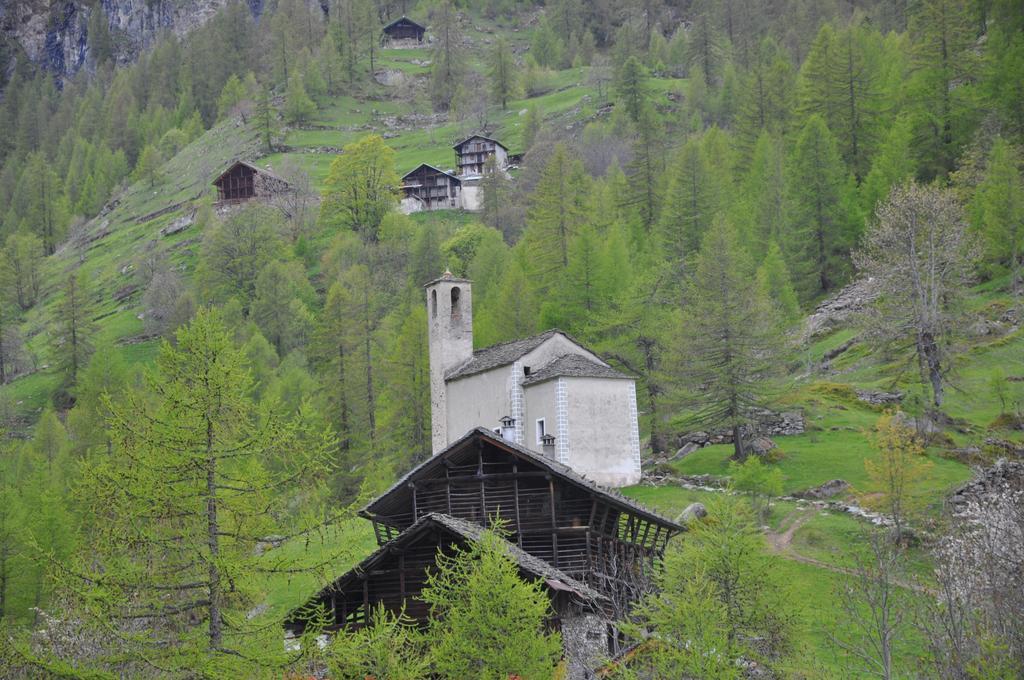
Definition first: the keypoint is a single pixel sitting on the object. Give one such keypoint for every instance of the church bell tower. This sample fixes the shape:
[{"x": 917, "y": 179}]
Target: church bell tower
[{"x": 450, "y": 324}]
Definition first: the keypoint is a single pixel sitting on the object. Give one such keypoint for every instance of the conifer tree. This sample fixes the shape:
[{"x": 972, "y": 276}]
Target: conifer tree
[
  {"x": 765, "y": 190},
  {"x": 773, "y": 277},
  {"x": 692, "y": 200},
  {"x": 147, "y": 169},
  {"x": 46, "y": 211},
  {"x": 23, "y": 253},
  {"x": 496, "y": 190},
  {"x": 266, "y": 118},
  {"x": 447, "y": 59},
  {"x": 705, "y": 44},
  {"x": 768, "y": 95},
  {"x": 73, "y": 343},
  {"x": 821, "y": 231},
  {"x": 199, "y": 478},
  {"x": 631, "y": 88},
  {"x": 485, "y": 617},
  {"x": 298, "y": 107},
  {"x": 405, "y": 390},
  {"x": 557, "y": 210},
  {"x": 893, "y": 164},
  {"x": 999, "y": 205},
  {"x": 856, "y": 78},
  {"x": 531, "y": 126},
  {"x": 279, "y": 306},
  {"x": 647, "y": 168},
  {"x": 501, "y": 70},
  {"x": 727, "y": 339}
]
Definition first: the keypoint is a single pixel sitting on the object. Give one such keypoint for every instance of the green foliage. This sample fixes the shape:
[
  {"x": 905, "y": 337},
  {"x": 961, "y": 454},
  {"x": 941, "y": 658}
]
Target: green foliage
[
  {"x": 630, "y": 87},
  {"x": 773, "y": 277},
  {"x": 235, "y": 251},
  {"x": 282, "y": 293},
  {"x": 298, "y": 107},
  {"x": 758, "y": 481},
  {"x": 360, "y": 189},
  {"x": 448, "y": 61},
  {"x": 728, "y": 341},
  {"x": 501, "y": 70},
  {"x": 999, "y": 210},
  {"x": 196, "y": 449},
  {"x": 147, "y": 168},
  {"x": 693, "y": 199},
  {"x": 73, "y": 343},
  {"x": 390, "y": 646},
  {"x": 485, "y": 619}
]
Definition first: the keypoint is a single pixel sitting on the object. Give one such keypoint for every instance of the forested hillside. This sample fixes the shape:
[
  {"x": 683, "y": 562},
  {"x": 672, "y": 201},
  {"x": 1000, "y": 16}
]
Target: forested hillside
[{"x": 799, "y": 207}]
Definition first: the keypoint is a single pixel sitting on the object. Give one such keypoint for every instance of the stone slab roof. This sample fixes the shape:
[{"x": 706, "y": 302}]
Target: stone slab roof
[
  {"x": 372, "y": 510},
  {"x": 499, "y": 355},
  {"x": 458, "y": 145},
  {"x": 574, "y": 366},
  {"x": 534, "y": 566}
]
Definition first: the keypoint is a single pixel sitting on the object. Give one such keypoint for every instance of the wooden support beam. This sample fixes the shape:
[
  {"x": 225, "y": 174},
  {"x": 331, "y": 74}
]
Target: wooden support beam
[
  {"x": 415, "y": 514},
  {"x": 401, "y": 576},
  {"x": 515, "y": 495}
]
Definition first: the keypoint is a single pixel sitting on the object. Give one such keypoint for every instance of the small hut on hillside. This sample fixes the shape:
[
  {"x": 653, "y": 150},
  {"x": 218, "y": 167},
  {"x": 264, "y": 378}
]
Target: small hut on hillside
[
  {"x": 243, "y": 181},
  {"x": 402, "y": 32},
  {"x": 429, "y": 188}
]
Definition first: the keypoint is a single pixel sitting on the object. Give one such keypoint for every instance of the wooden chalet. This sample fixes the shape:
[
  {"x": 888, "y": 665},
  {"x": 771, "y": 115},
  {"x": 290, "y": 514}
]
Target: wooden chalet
[
  {"x": 402, "y": 31},
  {"x": 429, "y": 188},
  {"x": 243, "y": 181},
  {"x": 553, "y": 513},
  {"x": 474, "y": 151}
]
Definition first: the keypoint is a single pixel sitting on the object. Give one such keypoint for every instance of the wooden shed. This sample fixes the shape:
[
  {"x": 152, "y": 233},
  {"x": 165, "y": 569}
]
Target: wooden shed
[
  {"x": 430, "y": 188},
  {"x": 402, "y": 30},
  {"x": 243, "y": 181}
]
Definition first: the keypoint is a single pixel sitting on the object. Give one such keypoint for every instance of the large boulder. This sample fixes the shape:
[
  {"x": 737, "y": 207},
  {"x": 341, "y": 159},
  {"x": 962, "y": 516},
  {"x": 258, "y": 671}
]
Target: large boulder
[
  {"x": 684, "y": 451},
  {"x": 693, "y": 511},
  {"x": 760, "y": 446}
]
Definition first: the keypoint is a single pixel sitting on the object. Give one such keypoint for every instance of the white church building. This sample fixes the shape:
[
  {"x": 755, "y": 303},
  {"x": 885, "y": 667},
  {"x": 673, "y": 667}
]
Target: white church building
[{"x": 547, "y": 392}]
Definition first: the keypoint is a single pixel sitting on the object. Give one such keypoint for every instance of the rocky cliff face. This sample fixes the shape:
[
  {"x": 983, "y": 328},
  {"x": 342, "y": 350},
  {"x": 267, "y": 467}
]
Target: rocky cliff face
[{"x": 54, "y": 33}]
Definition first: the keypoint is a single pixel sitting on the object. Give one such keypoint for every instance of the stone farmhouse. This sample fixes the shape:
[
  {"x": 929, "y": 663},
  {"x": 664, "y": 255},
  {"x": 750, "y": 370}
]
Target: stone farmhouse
[
  {"x": 243, "y": 181},
  {"x": 547, "y": 393},
  {"x": 430, "y": 188}
]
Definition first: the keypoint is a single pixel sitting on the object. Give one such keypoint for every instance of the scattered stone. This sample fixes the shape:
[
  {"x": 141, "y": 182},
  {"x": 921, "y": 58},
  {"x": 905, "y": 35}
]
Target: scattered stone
[
  {"x": 879, "y": 398},
  {"x": 760, "y": 446},
  {"x": 829, "y": 489},
  {"x": 125, "y": 292},
  {"x": 769, "y": 424},
  {"x": 693, "y": 511},
  {"x": 178, "y": 225},
  {"x": 266, "y": 544},
  {"x": 836, "y": 351},
  {"x": 833, "y": 312},
  {"x": 1005, "y": 447},
  {"x": 1004, "y": 475},
  {"x": 685, "y": 451}
]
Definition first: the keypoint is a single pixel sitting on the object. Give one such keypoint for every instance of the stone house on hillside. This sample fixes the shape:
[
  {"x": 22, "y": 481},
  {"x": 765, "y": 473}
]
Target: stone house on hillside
[
  {"x": 430, "y": 188},
  {"x": 244, "y": 181},
  {"x": 548, "y": 392},
  {"x": 472, "y": 152}
]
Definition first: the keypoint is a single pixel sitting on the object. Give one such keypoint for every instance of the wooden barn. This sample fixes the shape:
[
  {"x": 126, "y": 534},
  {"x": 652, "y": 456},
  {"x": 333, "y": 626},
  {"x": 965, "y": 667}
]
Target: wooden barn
[
  {"x": 429, "y": 188},
  {"x": 401, "y": 32},
  {"x": 593, "y": 549},
  {"x": 243, "y": 181},
  {"x": 474, "y": 151}
]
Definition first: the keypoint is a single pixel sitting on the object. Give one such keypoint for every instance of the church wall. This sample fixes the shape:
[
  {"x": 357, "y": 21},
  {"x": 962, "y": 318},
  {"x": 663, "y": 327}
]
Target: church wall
[
  {"x": 478, "y": 400},
  {"x": 551, "y": 349},
  {"x": 604, "y": 436},
  {"x": 540, "y": 403}
]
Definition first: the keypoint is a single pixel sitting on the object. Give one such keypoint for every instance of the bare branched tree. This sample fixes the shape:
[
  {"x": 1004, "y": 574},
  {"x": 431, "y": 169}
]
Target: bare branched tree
[
  {"x": 875, "y": 607},
  {"x": 919, "y": 252}
]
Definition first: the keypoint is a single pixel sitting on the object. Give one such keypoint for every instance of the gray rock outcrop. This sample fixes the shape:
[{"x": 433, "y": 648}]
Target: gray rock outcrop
[
  {"x": 841, "y": 307},
  {"x": 693, "y": 511},
  {"x": 829, "y": 489}
]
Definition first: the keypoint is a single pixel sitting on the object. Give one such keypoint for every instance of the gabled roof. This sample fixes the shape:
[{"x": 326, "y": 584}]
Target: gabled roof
[
  {"x": 534, "y": 566},
  {"x": 501, "y": 354},
  {"x": 251, "y": 166},
  {"x": 564, "y": 472},
  {"x": 575, "y": 366},
  {"x": 472, "y": 137},
  {"x": 404, "y": 19},
  {"x": 438, "y": 170}
]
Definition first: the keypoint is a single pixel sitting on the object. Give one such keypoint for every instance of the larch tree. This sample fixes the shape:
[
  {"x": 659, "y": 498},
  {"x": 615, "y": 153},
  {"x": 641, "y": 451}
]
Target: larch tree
[
  {"x": 647, "y": 168},
  {"x": 920, "y": 253},
  {"x": 76, "y": 328},
  {"x": 727, "y": 339},
  {"x": 631, "y": 87},
  {"x": 501, "y": 71},
  {"x": 773, "y": 277},
  {"x": 266, "y": 118},
  {"x": 447, "y": 59},
  {"x": 199, "y": 481},
  {"x": 892, "y": 165},
  {"x": 282, "y": 293},
  {"x": 896, "y": 473},
  {"x": 691, "y": 203},
  {"x": 999, "y": 206},
  {"x": 361, "y": 188},
  {"x": 764, "y": 188},
  {"x": 298, "y": 107},
  {"x": 235, "y": 251},
  {"x": 147, "y": 169},
  {"x": 821, "y": 231},
  {"x": 856, "y": 79},
  {"x": 557, "y": 209},
  {"x": 486, "y": 620},
  {"x": 46, "y": 211},
  {"x": 497, "y": 205},
  {"x": 405, "y": 388}
]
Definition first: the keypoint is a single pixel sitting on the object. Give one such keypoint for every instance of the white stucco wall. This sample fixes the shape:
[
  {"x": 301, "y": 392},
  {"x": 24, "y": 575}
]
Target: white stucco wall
[
  {"x": 604, "y": 440},
  {"x": 471, "y": 196},
  {"x": 540, "y": 403},
  {"x": 552, "y": 348},
  {"x": 478, "y": 400}
]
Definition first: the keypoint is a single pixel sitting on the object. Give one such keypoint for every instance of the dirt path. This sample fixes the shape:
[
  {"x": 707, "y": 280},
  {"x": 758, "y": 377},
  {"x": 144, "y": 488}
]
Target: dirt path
[{"x": 781, "y": 543}]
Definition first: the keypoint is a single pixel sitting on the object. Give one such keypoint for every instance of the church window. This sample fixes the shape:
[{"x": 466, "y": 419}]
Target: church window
[
  {"x": 540, "y": 431},
  {"x": 433, "y": 304},
  {"x": 456, "y": 295}
]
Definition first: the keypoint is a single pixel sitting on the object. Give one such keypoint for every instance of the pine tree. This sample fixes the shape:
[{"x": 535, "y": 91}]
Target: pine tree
[
  {"x": 496, "y": 190},
  {"x": 198, "y": 479},
  {"x": 727, "y": 339},
  {"x": 501, "y": 70},
  {"x": 892, "y": 165},
  {"x": 23, "y": 253},
  {"x": 486, "y": 617},
  {"x": 46, "y": 210},
  {"x": 647, "y": 168},
  {"x": 705, "y": 43},
  {"x": 765, "y": 190},
  {"x": 531, "y": 126},
  {"x": 266, "y": 118},
  {"x": 405, "y": 389},
  {"x": 999, "y": 205},
  {"x": 73, "y": 343},
  {"x": 821, "y": 230},
  {"x": 856, "y": 78},
  {"x": 631, "y": 88},
  {"x": 147, "y": 168}
]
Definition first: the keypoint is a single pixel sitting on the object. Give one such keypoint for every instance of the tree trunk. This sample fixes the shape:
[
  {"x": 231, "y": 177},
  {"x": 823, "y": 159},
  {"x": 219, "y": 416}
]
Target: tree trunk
[
  {"x": 929, "y": 351},
  {"x": 213, "y": 540}
]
